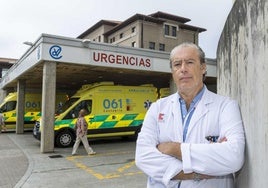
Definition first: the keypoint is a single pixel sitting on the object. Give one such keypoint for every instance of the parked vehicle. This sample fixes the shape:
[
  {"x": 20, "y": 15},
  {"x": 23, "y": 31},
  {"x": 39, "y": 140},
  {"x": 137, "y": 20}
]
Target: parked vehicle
[
  {"x": 113, "y": 110},
  {"x": 33, "y": 105}
]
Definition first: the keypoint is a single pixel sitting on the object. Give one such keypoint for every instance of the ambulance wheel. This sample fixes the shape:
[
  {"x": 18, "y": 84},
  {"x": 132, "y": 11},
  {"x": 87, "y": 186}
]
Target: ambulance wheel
[{"x": 64, "y": 139}]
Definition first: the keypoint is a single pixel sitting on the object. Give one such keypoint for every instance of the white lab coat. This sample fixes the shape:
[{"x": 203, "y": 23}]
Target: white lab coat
[{"x": 214, "y": 115}]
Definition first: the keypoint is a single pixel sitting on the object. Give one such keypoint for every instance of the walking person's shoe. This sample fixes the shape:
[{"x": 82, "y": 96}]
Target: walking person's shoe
[{"x": 92, "y": 153}]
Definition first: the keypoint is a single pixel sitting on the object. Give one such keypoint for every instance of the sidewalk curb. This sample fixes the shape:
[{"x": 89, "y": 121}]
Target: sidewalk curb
[{"x": 30, "y": 168}]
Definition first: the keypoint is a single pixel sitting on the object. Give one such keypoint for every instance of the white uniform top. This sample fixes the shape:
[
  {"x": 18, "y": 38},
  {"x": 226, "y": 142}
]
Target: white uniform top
[{"x": 214, "y": 115}]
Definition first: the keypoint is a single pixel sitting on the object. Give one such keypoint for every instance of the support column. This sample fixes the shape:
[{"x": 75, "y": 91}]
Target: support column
[
  {"x": 20, "y": 107},
  {"x": 172, "y": 86},
  {"x": 48, "y": 107}
]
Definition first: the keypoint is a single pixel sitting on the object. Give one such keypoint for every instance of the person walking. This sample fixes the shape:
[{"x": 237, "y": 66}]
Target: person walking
[
  {"x": 194, "y": 137},
  {"x": 2, "y": 123},
  {"x": 81, "y": 127}
]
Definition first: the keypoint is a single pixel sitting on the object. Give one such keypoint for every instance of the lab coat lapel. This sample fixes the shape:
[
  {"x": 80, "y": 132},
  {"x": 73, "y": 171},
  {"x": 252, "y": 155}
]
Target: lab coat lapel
[
  {"x": 177, "y": 119},
  {"x": 200, "y": 111}
]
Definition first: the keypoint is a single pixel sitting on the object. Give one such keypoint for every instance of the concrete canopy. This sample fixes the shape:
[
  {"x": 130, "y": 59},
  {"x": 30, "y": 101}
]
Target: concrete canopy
[{"x": 75, "y": 65}]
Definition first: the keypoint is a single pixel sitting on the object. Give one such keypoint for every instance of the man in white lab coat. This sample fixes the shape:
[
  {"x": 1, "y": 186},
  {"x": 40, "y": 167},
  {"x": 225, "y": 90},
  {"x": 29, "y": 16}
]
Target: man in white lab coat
[{"x": 193, "y": 138}]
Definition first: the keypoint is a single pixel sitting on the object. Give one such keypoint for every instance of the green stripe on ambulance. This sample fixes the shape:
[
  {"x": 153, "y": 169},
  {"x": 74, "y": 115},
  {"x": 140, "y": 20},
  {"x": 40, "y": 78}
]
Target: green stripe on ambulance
[{"x": 113, "y": 110}]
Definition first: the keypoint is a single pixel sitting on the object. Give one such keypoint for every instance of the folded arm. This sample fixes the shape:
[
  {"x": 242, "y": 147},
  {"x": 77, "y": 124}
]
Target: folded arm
[{"x": 217, "y": 159}]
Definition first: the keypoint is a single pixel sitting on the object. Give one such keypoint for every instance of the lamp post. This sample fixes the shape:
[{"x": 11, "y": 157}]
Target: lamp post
[{"x": 28, "y": 43}]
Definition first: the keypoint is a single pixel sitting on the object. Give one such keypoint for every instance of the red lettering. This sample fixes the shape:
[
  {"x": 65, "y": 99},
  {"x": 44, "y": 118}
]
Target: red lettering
[
  {"x": 104, "y": 57},
  {"x": 125, "y": 60},
  {"x": 96, "y": 57},
  {"x": 121, "y": 59},
  {"x": 142, "y": 63},
  {"x": 148, "y": 62},
  {"x": 131, "y": 61},
  {"x": 111, "y": 58}
]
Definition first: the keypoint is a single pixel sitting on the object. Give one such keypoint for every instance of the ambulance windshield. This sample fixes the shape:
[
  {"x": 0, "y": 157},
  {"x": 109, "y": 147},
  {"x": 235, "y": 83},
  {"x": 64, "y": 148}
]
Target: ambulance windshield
[
  {"x": 68, "y": 103},
  {"x": 9, "y": 106}
]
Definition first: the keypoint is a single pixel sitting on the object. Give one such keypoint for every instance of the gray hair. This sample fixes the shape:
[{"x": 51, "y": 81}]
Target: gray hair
[{"x": 188, "y": 44}]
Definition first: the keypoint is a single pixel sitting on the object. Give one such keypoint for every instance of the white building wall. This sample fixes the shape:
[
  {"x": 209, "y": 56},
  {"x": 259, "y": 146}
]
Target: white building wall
[{"x": 242, "y": 71}]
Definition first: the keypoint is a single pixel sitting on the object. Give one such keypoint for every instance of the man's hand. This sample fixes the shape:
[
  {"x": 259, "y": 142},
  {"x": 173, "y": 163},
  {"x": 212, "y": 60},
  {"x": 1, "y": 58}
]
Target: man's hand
[
  {"x": 191, "y": 176},
  {"x": 224, "y": 139},
  {"x": 170, "y": 148}
]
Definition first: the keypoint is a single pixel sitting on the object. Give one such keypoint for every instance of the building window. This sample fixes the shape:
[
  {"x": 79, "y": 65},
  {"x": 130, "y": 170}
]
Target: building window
[
  {"x": 121, "y": 35},
  {"x": 152, "y": 45},
  {"x": 112, "y": 40},
  {"x": 133, "y": 44},
  {"x": 133, "y": 29},
  {"x": 99, "y": 38},
  {"x": 170, "y": 30},
  {"x": 166, "y": 29},
  {"x": 161, "y": 47},
  {"x": 174, "y": 31}
]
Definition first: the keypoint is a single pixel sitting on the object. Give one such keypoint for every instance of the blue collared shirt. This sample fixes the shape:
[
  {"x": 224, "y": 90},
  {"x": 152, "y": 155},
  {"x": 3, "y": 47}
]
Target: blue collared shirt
[{"x": 187, "y": 114}]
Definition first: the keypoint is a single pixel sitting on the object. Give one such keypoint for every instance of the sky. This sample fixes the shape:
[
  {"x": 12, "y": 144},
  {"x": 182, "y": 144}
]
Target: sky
[{"x": 26, "y": 20}]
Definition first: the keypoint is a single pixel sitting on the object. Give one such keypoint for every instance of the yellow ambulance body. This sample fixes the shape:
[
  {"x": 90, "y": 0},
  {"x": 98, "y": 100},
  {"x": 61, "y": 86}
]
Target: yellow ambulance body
[
  {"x": 113, "y": 110},
  {"x": 32, "y": 109},
  {"x": 164, "y": 92}
]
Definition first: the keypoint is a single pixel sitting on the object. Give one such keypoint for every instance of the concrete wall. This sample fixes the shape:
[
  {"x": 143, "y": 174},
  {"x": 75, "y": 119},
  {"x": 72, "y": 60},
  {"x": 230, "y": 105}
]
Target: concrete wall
[{"x": 242, "y": 73}]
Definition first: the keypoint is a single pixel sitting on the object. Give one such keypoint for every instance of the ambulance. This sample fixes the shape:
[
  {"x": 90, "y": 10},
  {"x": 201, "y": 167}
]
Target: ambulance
[
  {"x": 113, "y": 111},
  {"x": 32, "y": 109},
  {"x": 164, "y": 92}
]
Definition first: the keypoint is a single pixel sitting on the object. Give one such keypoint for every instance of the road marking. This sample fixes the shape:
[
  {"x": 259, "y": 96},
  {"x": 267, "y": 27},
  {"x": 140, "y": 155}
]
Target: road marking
[{"x": 119, "y": 172}]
